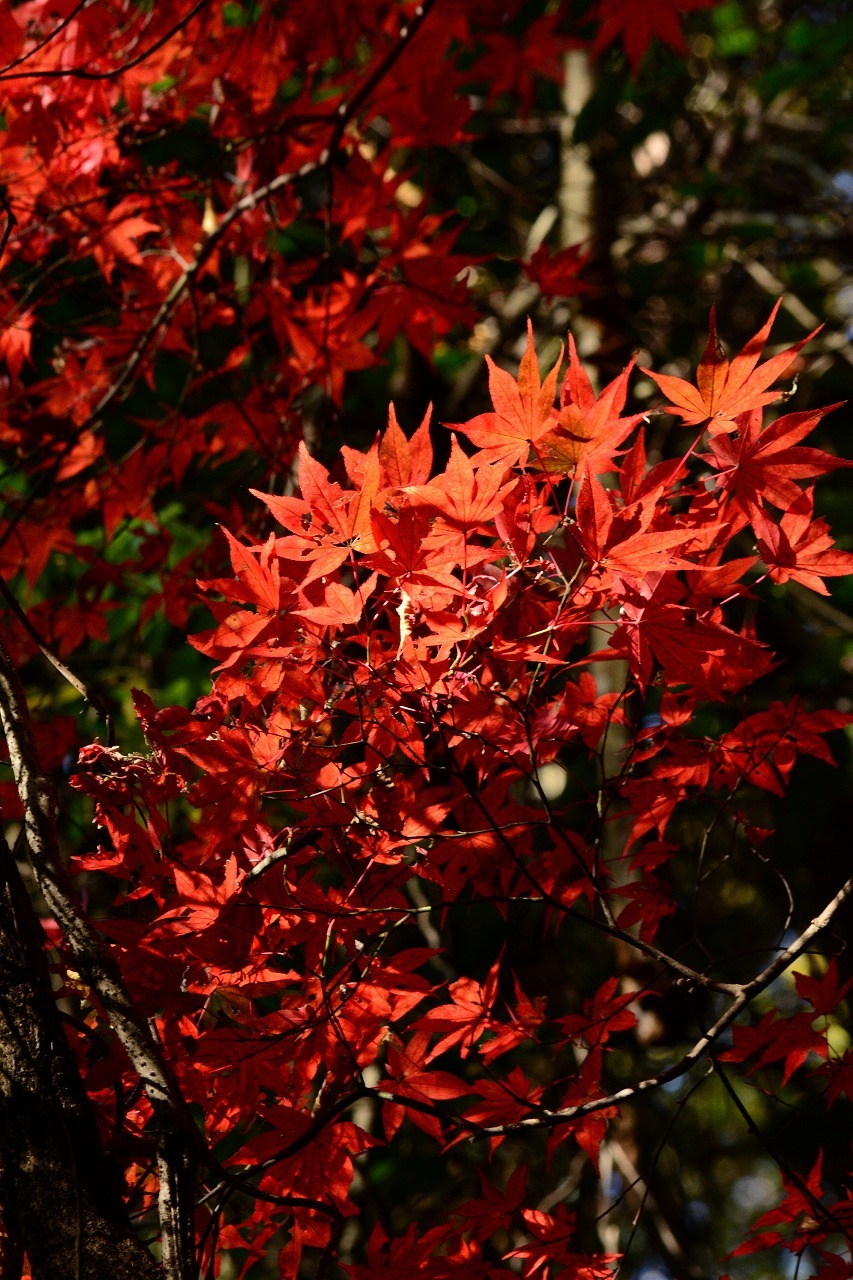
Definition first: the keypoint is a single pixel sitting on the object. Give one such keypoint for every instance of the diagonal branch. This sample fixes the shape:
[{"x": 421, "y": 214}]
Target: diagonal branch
[
  {"x": 545, "y": 1119},
  {"x": 345, "y": 114},
  {"x": 83, "y": 73},
  {"x": 700, "y": 1049},
  {"x": 88, "y": 694}
]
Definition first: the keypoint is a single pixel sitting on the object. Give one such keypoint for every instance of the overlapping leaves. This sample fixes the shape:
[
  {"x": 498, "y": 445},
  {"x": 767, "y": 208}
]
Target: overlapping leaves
[{"x": 397, "y": 662}]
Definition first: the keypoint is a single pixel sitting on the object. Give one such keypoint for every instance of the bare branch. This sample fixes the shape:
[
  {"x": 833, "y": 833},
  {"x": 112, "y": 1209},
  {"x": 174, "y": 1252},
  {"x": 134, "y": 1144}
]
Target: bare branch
[
  {"x": 545, "y": 1119},
  {"x": 89, "y": 695},
  {"x": 746, "y": 993},
  {"x": 60, "y": 26},
  {"x": 83, "y": 73}
]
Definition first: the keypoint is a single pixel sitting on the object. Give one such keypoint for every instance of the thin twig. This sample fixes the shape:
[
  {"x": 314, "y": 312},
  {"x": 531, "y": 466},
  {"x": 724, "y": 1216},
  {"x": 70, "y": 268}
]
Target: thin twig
[
  {"x": 345, "y": 114},
  {"x": 81, "y": 73},
  {"x": 820, "y": 1209}
]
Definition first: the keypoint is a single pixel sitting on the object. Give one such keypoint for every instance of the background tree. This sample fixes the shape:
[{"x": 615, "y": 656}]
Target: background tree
[{"x": 232, "y": 228}]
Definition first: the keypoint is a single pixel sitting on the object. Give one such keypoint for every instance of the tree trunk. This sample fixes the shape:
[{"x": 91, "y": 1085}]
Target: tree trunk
[{"x": 61, "y": 1197}]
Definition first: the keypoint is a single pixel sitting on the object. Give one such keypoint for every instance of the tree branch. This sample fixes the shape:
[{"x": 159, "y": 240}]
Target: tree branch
[
  {"x": 60, "y": 1197},
  {"x": 88, "y": 694},
  {"x": 746, "y": 993},
  {"x": 545, "y": 1119},
  {"x": 82, "y": 73},
  {"x": 178, "y": 1138}
]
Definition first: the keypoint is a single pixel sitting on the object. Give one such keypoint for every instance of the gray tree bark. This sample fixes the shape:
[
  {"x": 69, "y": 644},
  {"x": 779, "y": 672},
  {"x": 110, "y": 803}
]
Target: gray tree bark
[{"x": 60, "y": 1195}]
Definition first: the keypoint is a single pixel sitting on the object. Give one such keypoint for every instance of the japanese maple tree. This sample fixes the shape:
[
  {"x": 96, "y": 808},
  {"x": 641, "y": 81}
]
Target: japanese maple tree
[{"x": 366, "y": 961}]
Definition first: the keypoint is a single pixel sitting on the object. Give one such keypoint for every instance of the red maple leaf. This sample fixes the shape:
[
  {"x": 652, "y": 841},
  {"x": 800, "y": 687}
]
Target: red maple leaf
[
  {"x": 584, "y": 711},
  {"x": 824, "y": 993},
  {"x": 503, "y": 1101},
  {"x": 495, "y": 1208},
  {"x": 552, "y": 1242},
  {"x": 691, "y": 649},
  {"x": 465, "y": 496},
  {"x": 762, "y": 465},
  {"x": 774, "y": 1227},
  {"x": 465, "y": 1020},
  {"x": 727, "y": 388},
  {"x": 412, "y": 556},
  {"x": 469, "y": 1017},
  {"x": 800, "y": 548},
  {"x": 341, "y": 606},
  {"x": 637, "y": 22},
  {"x": 603, "y": 1015},
  {"x": 523, "y": 410},
  {"x": 557, "y": 274},
  {"x": 115, "y": 242},
  {"x": 764, "y": 747},
  {"x": 16, "y": 343},
  {"x": 621, "y": 543},
  {"x": 408, "y": 1078}
]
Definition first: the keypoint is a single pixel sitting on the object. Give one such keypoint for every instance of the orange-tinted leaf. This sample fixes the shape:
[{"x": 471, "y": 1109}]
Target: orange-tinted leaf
[
  {"x": 523, "y": 409},
  {"x": 405, "y": 462},
  {"x": 587, "y": 428},
  {"x": 725, "y": 389}
]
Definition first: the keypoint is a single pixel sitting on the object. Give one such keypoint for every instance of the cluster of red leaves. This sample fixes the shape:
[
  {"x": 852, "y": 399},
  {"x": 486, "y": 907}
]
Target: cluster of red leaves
[
  {"x": 793, "y": 1224},
  {"x": 173, "y": 201},
  {"x": 396, "y": 663},
  {"x": 216, "y": 213}
]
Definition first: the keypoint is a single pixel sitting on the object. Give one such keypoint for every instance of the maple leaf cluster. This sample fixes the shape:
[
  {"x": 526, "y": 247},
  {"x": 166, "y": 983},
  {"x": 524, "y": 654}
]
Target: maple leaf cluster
[
  {"x": 396, "y": 664},
  {"x": 236, "y": 187},
  {"x": 217, "y": 216}
]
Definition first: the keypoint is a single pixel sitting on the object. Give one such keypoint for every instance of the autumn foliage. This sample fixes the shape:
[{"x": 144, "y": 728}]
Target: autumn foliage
[
  {"x": 474, "y": 684},
  {"x": 397, "y": 661}
]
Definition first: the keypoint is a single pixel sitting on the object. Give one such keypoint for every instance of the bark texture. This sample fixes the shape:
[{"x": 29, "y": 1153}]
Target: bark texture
[{"x": 60, "y": 1195}]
